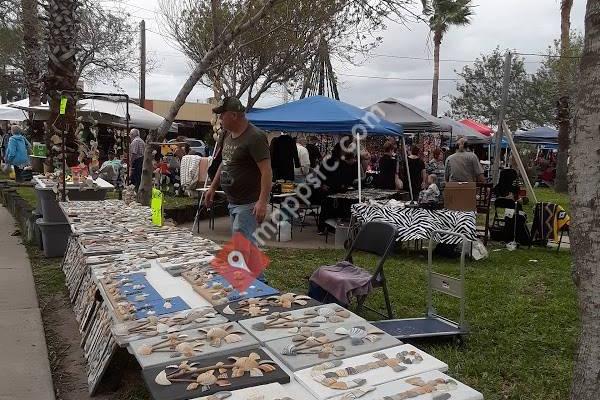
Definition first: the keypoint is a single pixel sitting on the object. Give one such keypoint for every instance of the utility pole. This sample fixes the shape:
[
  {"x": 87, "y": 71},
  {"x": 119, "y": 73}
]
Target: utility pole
[
  {"x": 502, "y": 113},
  {"x": 142, "y": 96}
]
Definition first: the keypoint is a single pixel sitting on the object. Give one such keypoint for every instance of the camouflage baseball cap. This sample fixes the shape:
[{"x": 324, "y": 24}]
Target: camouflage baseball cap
[{"x": 229, "y": 103}]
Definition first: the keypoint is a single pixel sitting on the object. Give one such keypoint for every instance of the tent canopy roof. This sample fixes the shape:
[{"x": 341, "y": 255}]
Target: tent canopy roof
[
  {"x": 11, "y": 114},
  {"x": 411, "y": 118},
  {"x": 319, "y": 114},
  {"x": 459, "y": 129},
  {"x": 540, "y": 135},
  {"x": 104, "y": 110},
  {"x": 481, "y": 128}
]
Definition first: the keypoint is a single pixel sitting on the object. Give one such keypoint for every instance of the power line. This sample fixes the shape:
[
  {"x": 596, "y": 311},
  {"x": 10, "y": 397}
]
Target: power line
[
  {"x": 547, "y": 55},
  {"x": 395, "y": 78}
]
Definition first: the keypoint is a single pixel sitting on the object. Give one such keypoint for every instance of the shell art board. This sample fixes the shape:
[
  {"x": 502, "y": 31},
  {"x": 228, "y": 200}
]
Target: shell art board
[
  {"x": 311, "y": 347},
  {"x": 337, "y": 377},
  {"x": 256, "y": 307},
  {"x": 218, "y": 290},
  {"x": 280, "y": 325},
  {"x": 435, "y": 384},
  {"x": 154, "y": 326},
  {"x": 272, "y": 391},
  {"x": 197, "y": 343},
  {"x": 225, "y": 372}
]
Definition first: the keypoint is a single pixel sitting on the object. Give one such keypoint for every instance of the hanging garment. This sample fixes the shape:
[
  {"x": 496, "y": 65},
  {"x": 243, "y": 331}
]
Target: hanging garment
[
  {"x": 284, "y": 157},
  {"x": 189, "y": 169}
]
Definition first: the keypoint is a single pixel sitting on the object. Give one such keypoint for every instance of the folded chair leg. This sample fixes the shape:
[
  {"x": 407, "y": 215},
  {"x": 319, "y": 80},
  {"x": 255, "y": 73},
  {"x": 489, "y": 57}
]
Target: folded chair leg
[
  {"x": 388, "y": 304},
  {"x": 360, "y": 301}
]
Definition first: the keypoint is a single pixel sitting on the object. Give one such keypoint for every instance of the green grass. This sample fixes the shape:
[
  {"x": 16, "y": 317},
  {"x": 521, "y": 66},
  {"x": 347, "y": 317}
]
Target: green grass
[
  {"x": 28, "y": 194},
  {"x": 522, "y": 315}
]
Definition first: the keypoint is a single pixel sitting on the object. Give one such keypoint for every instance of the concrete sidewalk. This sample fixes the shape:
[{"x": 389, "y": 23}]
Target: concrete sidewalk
[{"x": 24, "y": 366}]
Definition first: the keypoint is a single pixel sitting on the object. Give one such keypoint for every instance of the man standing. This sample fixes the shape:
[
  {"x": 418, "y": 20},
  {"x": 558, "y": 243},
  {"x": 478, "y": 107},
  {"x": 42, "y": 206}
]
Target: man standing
[
  {"x": 304, "y": 168},
  {"x": 463, "y": 166},
  {"x": 136, "y": 157},
  {"x": 245, "y": 172}
]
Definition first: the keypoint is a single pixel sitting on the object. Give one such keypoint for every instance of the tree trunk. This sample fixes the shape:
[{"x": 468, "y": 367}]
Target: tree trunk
[
  {"x": 32, "y": 62},
  {"x": 226, "y": 38},
  {"x": 435, "y": 91},
  {"x": 61, "y": 32},
  {"x": 563, "y": 117},
  {"x": 585, "y": 206},
  {"x": 32, "y": 50}
]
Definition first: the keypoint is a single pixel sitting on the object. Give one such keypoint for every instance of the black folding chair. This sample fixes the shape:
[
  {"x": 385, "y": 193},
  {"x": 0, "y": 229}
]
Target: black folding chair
[{"x": 376, "y": 238}]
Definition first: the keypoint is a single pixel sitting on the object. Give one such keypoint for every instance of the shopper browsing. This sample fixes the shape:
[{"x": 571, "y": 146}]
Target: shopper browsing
[{"x": 245, "y": 172}]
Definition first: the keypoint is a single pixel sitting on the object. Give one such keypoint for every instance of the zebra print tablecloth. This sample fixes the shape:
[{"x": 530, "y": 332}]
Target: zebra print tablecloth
[{"x": 417, "y": 223}]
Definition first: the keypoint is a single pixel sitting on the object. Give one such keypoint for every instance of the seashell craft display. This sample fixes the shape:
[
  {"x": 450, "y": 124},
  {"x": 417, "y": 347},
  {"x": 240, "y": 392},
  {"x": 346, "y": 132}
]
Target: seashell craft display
[
  {"x": 312, "y": 318},
  {"x": 154, "y": 326},
  {"x": 259, "y": 306},
  {"x": 220, "y": 374},
  {"x": 216, "y": 335},
  {"x": 438, "y": 388},
  {"x": 333, "y": 379}
]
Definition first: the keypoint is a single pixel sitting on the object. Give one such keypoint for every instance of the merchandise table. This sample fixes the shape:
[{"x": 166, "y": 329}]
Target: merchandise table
[
  {"x": 137, "y": 295},
  {"x": 368, "y": 194},
  {"x": 416, "y": 223}
]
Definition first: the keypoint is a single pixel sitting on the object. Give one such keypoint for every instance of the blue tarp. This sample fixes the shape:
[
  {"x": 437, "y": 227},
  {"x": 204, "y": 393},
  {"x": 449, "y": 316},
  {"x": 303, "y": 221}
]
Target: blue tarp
[
  {"x": 541, "y": 135},
  {"x": 319, "y": 114}
]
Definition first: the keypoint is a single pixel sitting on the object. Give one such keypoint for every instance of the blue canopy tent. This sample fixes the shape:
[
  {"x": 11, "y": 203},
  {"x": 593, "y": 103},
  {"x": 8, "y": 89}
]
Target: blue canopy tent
[
  {"x": 323, "y": 115},
  {"x": 541, "y": 135},
  {"x": 319, "y": 114}
]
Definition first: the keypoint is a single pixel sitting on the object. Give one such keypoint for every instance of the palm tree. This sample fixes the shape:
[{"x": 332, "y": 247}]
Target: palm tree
[
  {"x": 62, "y": 25},
  {"x": 563, "y": 117},
  {"x": 585, "y": 200},
  {"x": 442, "y": 15}
]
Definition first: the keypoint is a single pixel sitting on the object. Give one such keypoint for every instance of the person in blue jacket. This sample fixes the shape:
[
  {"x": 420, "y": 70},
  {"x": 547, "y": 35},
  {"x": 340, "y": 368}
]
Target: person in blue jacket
[{"x": 17, "y": 151}]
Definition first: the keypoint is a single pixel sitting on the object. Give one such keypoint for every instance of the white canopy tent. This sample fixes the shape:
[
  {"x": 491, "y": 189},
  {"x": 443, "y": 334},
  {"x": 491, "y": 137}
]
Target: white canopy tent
[
  {"x": 11, "y": 114},
  {"x": 102, "y": 110}
]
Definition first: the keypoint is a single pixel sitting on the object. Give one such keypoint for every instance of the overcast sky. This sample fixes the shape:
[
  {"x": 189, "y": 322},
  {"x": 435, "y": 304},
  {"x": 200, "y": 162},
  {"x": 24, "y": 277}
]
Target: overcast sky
[{"x": 527, "y": 26}]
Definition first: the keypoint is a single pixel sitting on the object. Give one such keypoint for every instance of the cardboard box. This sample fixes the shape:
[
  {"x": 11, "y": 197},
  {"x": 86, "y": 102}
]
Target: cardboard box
[{"x": 460, "y": 196}]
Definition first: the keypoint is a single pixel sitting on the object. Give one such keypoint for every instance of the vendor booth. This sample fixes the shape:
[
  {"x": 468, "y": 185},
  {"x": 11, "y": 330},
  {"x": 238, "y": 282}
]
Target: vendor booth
[{"x": 541, "y": 135}]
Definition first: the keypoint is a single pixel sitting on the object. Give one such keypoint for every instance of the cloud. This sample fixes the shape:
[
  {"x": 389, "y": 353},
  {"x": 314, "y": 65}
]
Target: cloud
[{"x": 527, "y": 26}]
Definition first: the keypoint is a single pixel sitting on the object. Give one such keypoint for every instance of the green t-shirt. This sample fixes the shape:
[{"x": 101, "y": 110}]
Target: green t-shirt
[{"x": 240, "y": 176}]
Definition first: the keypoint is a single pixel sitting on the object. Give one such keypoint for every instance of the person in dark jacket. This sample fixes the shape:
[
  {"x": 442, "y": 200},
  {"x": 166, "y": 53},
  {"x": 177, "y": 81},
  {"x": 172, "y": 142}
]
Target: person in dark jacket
[
  {"x": 386, "y": 179},
  {"x": 313, "y": 152},
  {"x": 284, "y": 157}
]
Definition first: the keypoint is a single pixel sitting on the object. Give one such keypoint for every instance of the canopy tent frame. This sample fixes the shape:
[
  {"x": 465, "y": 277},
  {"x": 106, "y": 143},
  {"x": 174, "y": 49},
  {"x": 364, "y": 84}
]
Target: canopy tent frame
[{"x": 354, "y": 117}]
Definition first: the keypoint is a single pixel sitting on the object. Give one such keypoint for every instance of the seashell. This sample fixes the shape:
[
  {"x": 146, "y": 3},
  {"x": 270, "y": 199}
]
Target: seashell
[
  {"x": 161, "y": 379},
  {"x": 168, "y": 304},
  {"x": 259, "y": 326},
  {"x": 233, "y": 338},
  {"x": 293, "y": 330},
  {"x": 289, "y": 350},
  {"x": 228, "y": 311},
  {"x": 342, "y": 331},
  {"x": 326, "y": 311},
  {"x": 343, "y": 313},
  {"x": 334, "y": 319},
  {"x": 162, "y": 328},
  {"x": 320, "y": 319},
  {"x": 145, "y": 350},
  {"x": 192, "y": 386},
  {"x": 175, "y": 328}
]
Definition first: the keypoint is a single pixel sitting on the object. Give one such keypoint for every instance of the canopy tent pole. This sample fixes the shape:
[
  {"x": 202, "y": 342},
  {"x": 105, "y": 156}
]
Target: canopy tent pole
[
  {"x": 407, "y": 169},
  {"x": 359, "y": 168}
]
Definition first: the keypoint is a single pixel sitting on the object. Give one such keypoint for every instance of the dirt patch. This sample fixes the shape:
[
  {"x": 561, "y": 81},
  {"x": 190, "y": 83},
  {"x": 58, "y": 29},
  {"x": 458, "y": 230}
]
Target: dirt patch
[{"x": 122, "y": 380}]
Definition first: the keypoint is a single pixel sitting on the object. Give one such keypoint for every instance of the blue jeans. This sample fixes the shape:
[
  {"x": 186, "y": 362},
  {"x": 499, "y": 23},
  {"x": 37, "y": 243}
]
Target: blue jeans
[{"x": 243, "y": 221}]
